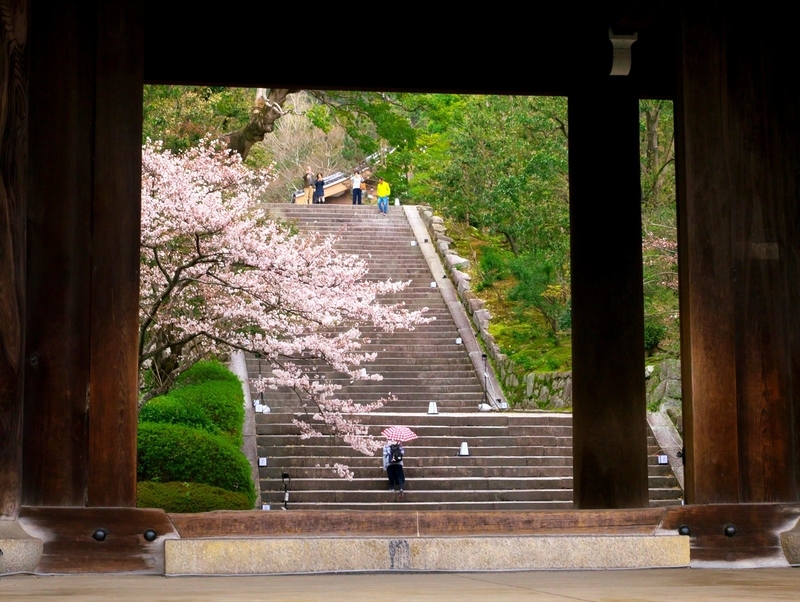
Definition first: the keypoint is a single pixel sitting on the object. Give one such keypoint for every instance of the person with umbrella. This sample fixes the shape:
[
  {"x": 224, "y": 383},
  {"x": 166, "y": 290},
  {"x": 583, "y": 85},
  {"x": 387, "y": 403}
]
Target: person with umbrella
[{"x": 393, "y": 453}]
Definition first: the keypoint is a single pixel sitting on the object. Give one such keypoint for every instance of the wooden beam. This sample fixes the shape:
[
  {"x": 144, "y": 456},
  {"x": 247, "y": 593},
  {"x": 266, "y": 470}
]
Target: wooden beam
[
  {"x": 561, "y": 52},
  {"x": 13, "y": 207},
  {"x": 608, "y": 389},
  {"x": 114, "y": 371},
  {"x": 754, "y": 540},
  {"x": 71, "y": 547}
]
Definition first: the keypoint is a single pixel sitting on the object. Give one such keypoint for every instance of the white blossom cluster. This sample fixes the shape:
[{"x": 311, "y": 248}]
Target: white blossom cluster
[{"x": 217, "y": 274}]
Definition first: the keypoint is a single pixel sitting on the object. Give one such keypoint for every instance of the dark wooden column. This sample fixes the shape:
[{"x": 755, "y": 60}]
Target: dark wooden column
[
  {"x": 608, "y": 389},
  {"x": 706, "y": 296},
  {"x": 13, "y": 206},
  {"x": 80, "y": 408},
  {"x": 59, "y": 254},
  {"x": 114, "y": 370},
  {"x": 739, "y": 209}
]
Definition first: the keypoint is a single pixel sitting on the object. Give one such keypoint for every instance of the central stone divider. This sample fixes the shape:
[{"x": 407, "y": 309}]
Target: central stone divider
[{"x": 323, "y": 541}]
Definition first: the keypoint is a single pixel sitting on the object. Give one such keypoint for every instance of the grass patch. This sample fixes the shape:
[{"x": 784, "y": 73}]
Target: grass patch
[{"x": 520, "y": 333}]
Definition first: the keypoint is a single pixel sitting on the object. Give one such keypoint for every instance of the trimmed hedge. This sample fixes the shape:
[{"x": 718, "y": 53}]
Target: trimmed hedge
[
  {"x": 173, "y": 452},
  {"x": 189, "y": 497},
  {"x": 170, "y": 410},
  {"x": 221, "y": 401},
  {"x": 204, "y": 371}
]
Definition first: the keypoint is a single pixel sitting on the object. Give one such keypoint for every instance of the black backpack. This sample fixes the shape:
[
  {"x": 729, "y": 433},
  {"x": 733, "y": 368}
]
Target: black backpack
[{"x": 395, "y": 454}]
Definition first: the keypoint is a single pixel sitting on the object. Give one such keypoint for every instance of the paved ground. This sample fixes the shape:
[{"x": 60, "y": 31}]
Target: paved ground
[{"x": 681, "y": 585}]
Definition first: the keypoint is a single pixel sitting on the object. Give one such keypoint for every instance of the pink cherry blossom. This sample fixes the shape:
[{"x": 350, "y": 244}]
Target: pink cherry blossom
[{"x": 218, "y": 274}]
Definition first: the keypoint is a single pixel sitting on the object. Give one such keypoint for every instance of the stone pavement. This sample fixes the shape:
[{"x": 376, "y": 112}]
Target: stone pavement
[{"x": 685, "y": 585}]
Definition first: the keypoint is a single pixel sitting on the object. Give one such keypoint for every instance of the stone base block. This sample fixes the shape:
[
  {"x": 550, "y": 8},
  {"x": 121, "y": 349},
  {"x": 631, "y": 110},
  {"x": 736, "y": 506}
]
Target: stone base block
[
  {"x": 334, "y": 554},
  {"x": 790, "y": 542},
  {"x": 19, "y": 552}
]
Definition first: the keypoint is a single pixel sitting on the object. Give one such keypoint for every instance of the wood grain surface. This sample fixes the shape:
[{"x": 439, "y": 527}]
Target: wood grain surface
[
  {"x": 13, "y": 208},
  {"x": 69, "y": 546}
]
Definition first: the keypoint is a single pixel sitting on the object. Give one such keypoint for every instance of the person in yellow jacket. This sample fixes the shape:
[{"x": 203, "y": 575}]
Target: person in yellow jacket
[{"x": 383, "y": 191}]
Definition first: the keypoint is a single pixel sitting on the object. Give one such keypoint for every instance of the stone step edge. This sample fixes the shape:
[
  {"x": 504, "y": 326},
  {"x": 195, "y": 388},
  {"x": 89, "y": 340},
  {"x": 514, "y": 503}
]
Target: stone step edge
[{"x": 296, "y": 555}]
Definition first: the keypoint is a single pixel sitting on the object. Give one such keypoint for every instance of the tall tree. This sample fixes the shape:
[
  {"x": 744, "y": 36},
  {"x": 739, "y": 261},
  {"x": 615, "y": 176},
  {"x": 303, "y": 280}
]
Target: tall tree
[{"x": 217, "y": 275}]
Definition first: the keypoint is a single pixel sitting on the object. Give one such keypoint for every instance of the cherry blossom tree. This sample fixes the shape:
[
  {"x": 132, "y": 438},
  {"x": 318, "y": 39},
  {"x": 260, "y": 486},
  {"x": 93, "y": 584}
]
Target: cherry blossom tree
[{"x": 217, "y": 275}]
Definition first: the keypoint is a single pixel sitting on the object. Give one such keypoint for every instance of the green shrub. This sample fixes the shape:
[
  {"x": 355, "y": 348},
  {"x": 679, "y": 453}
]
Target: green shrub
[
  {"x": 204, "y": 371},
  {"x": 173, "y": 452},
  {"x": 221, "y": 401},
  {"x": 189, "y": 497},
  {"x": 170, "y": 410},
  {"x": 493, "y": 267},
  {"x": 654, "y": 332}
]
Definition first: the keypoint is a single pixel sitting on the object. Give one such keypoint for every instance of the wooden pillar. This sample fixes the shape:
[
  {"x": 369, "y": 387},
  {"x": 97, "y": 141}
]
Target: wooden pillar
[
  {"x": 114, "y": 370},
  {"x": 59, "y": 255},
  {"x": 13, "y": 199},
  {"x": 608, "y": 388},
  {"x": 739, "y": 208},
  {"x": 80, "y": 399}
]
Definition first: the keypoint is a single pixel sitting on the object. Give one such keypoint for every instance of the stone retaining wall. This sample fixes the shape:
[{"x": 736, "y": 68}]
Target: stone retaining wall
[
  {"x": 664, "y": 393},
  {"x": 539, "y": 390}
]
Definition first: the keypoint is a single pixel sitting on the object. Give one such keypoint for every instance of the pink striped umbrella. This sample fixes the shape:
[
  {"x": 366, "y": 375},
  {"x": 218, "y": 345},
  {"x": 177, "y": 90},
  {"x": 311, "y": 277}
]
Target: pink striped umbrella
[{"x": 399, "y": 433}]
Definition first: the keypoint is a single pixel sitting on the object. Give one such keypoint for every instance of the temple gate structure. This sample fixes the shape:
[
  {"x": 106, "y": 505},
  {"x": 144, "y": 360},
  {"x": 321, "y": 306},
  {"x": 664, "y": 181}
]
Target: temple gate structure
[{"x": 71, "y": 77}]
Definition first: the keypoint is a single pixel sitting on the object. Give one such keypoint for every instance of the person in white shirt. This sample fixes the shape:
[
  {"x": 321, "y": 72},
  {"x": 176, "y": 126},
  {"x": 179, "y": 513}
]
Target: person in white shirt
[{"x": 355, "y": 181}]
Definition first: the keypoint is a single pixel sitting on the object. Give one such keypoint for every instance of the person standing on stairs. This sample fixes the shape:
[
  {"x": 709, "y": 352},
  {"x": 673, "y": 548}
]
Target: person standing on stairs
[
  {"x": 393, "y": 465},
  {"x": 319, "y": 190},
  {"x": 355, "y": 181},
  {"x": 308, "y": 185},
  {"x": 383, "y": 191}
]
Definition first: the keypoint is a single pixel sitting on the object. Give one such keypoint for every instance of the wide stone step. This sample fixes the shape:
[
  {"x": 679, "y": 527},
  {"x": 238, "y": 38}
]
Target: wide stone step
[
  {"x": 448, "y": 482},
  {"x": 325, "y": 452},
  {"x": 408, "y": 391},
  {"x": 462, "y": 407},
  {"x": 426, "y": 432},
  {"x": 432, "y": 472},
  {"x": 514, "y": 420},
  {"x": 449, "y": 461},
  {"x": 368, "y": 485},
  {"x": 419, "y": 495},
  {"x": 447, "y": 441},
  {"x": 408, "y": 504},
  {"x": 455, "y": 376}
]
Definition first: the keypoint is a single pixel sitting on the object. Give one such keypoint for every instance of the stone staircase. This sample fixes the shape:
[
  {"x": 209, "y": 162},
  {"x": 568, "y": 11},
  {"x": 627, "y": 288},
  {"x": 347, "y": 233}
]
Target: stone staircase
[{"x": 517, "y": 461}]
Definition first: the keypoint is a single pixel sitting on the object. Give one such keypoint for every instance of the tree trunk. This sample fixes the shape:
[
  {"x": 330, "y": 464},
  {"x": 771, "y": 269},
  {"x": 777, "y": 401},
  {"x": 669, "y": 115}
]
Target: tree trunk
[
  {"x": 266, "y": 110},
  {"x": 652, "y": 116}
]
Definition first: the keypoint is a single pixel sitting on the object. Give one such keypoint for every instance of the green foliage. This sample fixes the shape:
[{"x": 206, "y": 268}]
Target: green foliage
[
  {"x": 221, "y": 401},
  {"x": 171, "y": 410},
  {"x": 181, "y": 115},
  {"x": 657, "y": 135},
  {"x": 500, "y": 164},
  {"x": 172, "y": 452},
  {"x": 541, "y": 286},
  {"x": 529, "y": 346},
  {"x": 493, "y": 267},
  {"x": 654, "y": 331},
  {"x": 189, "y": 497},
  {"x": 205, "y": 371}
]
